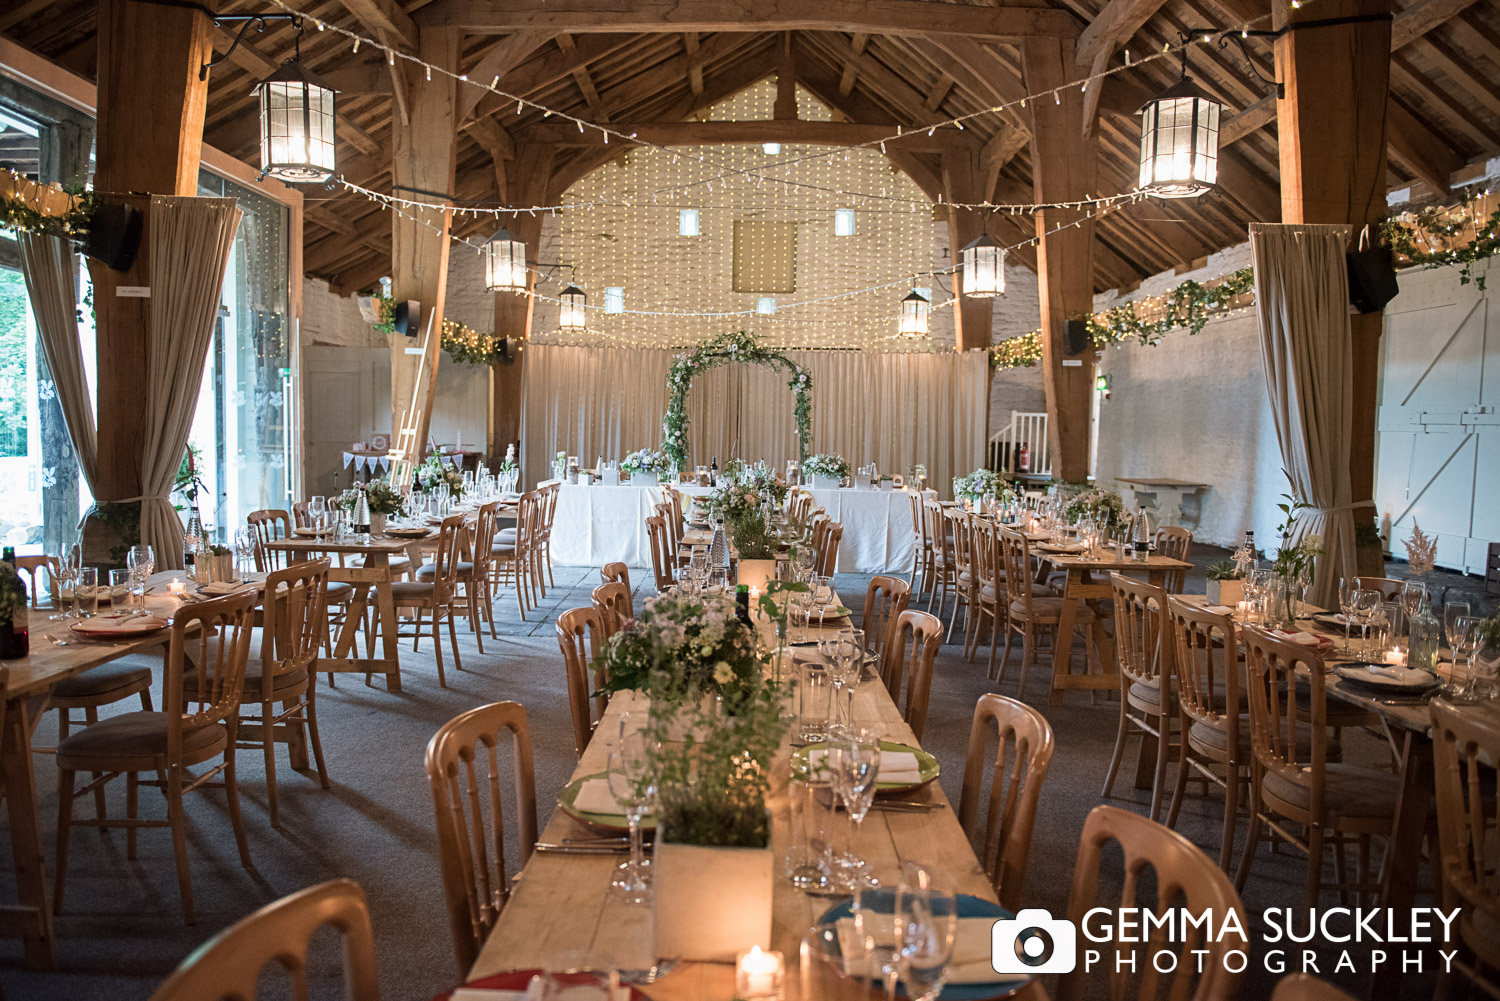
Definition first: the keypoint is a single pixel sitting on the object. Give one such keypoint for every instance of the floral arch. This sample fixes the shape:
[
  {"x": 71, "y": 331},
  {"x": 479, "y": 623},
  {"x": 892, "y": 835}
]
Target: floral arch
[{"x": 740, "y": 346}]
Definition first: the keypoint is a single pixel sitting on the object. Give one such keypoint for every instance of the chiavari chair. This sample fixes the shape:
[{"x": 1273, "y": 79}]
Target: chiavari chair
[
  {"x": 885, "y": 599},
  {"x": 581, "y": 633},
  {"x": 616, "y": 572},
  {"x": 438, "y": 595},
  {"x": 1175, "y": 542},
  {"x": 965, "y": 581},
  {"x": 828, "y": 550},
  {"x": 921, "y": 556},
  {"x": 31, "y": 565},
  {"x": 662, "y": 558},
  {"x": 614, "y": 605},
  {"x": 907, "y": 662},
  {"x": 1028, "y": 611},
  {"x": 513, "y": 560},
  {"x": 1148, "y": 691}
]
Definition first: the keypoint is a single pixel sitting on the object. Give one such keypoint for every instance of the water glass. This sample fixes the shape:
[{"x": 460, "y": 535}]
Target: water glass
[
  {"x": 822, "y": 595},
  {"x": 806, "y": 858},
  {"x": 1452, "y": 610},
  {"x": 87, "y": 592},
  {"x": 814, "y": 701},
  {"x": 632, "y": 782},
  {"x": 926, "y": 926}
]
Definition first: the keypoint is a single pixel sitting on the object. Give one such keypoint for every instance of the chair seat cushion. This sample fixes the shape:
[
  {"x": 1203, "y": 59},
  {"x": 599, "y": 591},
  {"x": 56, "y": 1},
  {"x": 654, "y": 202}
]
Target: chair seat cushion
[
  {"x": 1350, "y": 791},
  {"x": 427, "y": 571},
  {"x": 411, "y": 589},
  {"x": 1204, "y": 737},
  {"x": 506, "y": 535},
  {"x": 340, "y": 592},
  {"x": 254, "y": 672},
  {"x": 987, "y": 592},
  {"x": 138, "y": 738},
  {"x": 1050, "y": 610},
  {"x": 503, "y": 551},
  {"x": 105, "y": 683},
  {"x": 1147, "y": 697}
]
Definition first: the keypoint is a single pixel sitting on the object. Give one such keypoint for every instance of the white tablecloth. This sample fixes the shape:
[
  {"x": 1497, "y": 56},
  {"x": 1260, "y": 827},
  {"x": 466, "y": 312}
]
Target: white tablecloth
[{"x": 877, "y": 528}]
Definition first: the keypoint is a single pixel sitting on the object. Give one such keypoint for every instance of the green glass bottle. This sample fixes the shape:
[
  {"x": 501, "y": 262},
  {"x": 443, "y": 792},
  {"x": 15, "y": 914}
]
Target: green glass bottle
[
  {"x": 15, "y": 632},
  {"x": 1425, "y": 634}
]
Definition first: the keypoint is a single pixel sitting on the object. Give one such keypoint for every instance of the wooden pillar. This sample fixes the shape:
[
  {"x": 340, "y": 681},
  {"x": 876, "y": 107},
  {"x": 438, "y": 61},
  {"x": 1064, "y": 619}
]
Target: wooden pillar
[
  {"x": 963, "y": 182},
  {"x": 1064, "y": 164},
  {"x": 150, "y": 136},
  {"x": 530, "y": 180},
  {"x": 422, "y": 166},
  {"x": 1331, "y": 124}
]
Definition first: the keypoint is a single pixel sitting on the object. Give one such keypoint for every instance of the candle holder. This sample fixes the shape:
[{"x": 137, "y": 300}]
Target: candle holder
[{"x": 759, "y": 974}]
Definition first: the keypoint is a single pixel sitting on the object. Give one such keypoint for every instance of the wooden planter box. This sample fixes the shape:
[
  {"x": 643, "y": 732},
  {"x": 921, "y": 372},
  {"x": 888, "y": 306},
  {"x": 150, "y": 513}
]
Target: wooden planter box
[
  {"x": 711, "y": 904},
  {"x": 1226, "y": 592}
]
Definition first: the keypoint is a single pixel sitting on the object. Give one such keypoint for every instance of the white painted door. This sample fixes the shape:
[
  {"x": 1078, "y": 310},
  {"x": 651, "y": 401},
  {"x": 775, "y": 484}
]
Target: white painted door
[
  {"x": 1438, "y": 448},
  {"x": 347, "y": 394}
]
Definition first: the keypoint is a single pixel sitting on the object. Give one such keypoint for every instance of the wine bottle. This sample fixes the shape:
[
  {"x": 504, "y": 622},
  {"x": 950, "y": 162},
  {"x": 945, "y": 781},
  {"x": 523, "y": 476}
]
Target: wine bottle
[
  {"x": 1140, "y": 536},
  {"x": 15, "y": 633},
  {"x": 742, "y": 603}
]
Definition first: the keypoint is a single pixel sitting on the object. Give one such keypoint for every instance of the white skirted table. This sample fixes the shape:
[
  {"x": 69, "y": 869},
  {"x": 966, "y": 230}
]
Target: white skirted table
[
  {"x": 877, "y": 528},
  {"x": 598, "y": 524}
]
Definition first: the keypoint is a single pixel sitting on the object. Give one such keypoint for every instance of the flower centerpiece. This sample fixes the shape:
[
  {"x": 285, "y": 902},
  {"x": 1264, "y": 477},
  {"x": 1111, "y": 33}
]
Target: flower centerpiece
[
  {"x": 981, "y": 485},
  {"x": 681, "y": 649},
  {"x": 767, "y": 482},
  {"x": 435, "y": 473},
  {"x": 646, "y": 465},
  {"x": 1292, "y": 570},
  {"x": 508, "y": 463},
  {"x": 1096, "y": 503},
  {"x": 384, "y": 500},
  {"x": 825, "y": 469}
]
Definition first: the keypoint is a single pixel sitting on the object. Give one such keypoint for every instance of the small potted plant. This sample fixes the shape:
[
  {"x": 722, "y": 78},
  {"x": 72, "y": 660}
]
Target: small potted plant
[
  {"x": 1226, "y": 586},
  {"x": 213, "y": 565},
  {"x": 825, "y": 471},
  {"x": 384, "y": 500},
  {"x": 645, "y": 466}
]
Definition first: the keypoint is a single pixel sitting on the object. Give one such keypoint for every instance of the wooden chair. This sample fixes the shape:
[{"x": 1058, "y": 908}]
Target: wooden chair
[
  {"x": 614, "y": 605},
  {"x": 171, "y": 741},
  {"x": 1183, "y": 877},
  {"x": 472, "y": 577},
  {"x": 665, "y": 512},
  {"x": 229, "y": 966},
  {"x": 662, "y": 558},
  {"x": 295, "y": 605},
  {"x": 828, "y": 551},
  {"x": 512, "y": 553},
  {"x": 1176, "y": 542},
  {"x": 462, "y": 760},
  {"x": 965, "y": 583},
  {"x": 1466, "y": 752},
  {"x": 581, "y": 633},
  {"x": 547, "y": 513},
  {"x": 921, "y": 555},
  {"x": 616, "y": 572},
  {"x": 1028, "y": 610},
  {"x": 1022, "y": 753},
  {"x": 943, "y": 577},
  {"x": 1294, "y": 776},
  {"x": 268, "y": 525},
  {"x": 30, "y": 565},
  {"x": 909, "y": 655},
  {"x": 885, "y": 599},
  {"x": 1148, "y": 694},
  {"x": 1306, "y": 987},
  {"x": 438, "y": 594}
]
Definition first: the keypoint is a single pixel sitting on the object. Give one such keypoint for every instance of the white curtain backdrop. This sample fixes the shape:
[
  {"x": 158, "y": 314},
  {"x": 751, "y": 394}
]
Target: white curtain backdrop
[
  {"x": 896, "y": 410},
  {"x": 1302, "y": 307},
  {"x": 51, "y": 274},
  {"x": 190, "y": 243}
]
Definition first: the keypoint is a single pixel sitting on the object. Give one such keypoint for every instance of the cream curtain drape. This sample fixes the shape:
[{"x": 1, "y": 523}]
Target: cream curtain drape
[
  {"x": 190, "y": 244},
  {"x": 896, "y": 410},
  {"x": 51, "y": 273},
  {"x": 1302, "y": 308}
]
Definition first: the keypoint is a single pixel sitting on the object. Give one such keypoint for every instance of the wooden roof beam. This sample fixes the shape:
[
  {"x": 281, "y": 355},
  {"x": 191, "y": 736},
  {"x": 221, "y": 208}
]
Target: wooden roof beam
[
  {"x": 1417, "y": 149},
  {"x": 1421, "y": 17},
  {"x": 851, "y": 62},
  {"x": 498, "y": 60},
  {"x": 747, "y": 133},
  {"x": 385, "y": 18},
  {"x": 889, "y": 17},
  {"x": 695, "y": 65},
  {"x": 584, "y": 81}
]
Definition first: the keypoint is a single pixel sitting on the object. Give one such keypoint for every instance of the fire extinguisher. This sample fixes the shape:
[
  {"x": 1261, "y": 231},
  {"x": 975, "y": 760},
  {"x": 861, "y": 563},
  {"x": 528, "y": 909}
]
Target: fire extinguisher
[{"x": 1023, "y": 460}]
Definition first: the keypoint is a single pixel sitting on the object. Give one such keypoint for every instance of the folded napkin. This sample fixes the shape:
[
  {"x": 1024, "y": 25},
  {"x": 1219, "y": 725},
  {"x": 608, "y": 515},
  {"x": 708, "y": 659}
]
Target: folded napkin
[
  {"x": 594, "y": 797},
  {"x": 222, "y": 587},
  {"x": 1402, "y": 675},
  {"x": 972, "y": 945},
  {"x": 1219, "y": 609},
  {"x": 120, "y": 623},
  {"x": 895, "y": 766},
  {"x": 537, "y": 991},
  {"x": 1303, "y": 638}
]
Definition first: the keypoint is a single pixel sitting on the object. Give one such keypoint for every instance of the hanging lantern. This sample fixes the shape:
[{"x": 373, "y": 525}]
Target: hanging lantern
[
  {"x": 504, "y": 263},
  {"x": 573, "y": 315},
  {"x": 1180, "y": 142},
  {"x": 914, "y": 309},
  {"x": 296, "y": 123},
  {"x": 984, "y": 268}
]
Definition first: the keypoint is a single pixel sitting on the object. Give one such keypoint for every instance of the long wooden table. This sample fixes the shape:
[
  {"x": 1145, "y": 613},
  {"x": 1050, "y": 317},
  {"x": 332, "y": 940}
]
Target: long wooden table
[{"x": 561, "y": 903}]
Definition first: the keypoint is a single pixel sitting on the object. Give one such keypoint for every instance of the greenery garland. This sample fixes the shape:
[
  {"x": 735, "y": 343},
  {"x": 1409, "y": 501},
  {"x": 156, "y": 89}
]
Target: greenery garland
[
  {"x": 19, "y": 213},
  {"x": 740, "y": 346},
  {"x": 462, "y": 342},
  {"x": 1438, "y": 228}
]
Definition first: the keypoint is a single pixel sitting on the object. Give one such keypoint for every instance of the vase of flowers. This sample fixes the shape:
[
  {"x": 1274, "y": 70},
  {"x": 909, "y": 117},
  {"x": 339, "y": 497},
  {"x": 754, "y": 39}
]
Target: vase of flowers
[
  {"x": 384, "y": 500},
  {"x": 982, "y": 485},
  {"x": 825, "y": 471},
  {"x": 645, "y": 466},
  {"x": 1292, "y": 570},
  {"x": 435, "y": 473},
  {"x": 1096, "y": 504}
]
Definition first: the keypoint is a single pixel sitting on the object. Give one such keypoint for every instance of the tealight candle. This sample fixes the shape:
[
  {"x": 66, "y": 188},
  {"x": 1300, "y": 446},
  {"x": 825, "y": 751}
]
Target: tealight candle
[
  {"x": 1244, "y": 609},
  {"x": 758, "y": 974},
  {"x": 1396, "y": 656},
  {"x": 177, "y": 588}
]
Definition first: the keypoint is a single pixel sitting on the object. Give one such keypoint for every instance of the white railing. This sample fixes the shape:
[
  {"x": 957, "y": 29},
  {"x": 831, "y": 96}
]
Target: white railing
[{"x": 1029, "y": 429}]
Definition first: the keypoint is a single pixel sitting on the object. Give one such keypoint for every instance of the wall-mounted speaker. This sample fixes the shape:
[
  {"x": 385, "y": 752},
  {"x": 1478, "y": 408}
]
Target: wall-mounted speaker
[
  {"x": 1076, "y": 336},
  {"x": 406, "y": 317},
  {"x": 114, "y": 235},
  {"x": 1372, "y": 278}
]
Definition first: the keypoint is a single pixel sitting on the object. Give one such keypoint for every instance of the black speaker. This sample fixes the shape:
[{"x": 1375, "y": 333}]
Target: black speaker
[
  {"x": 505, "y": 351},
  {"x": 114, "y": 235},
  {"x": 1076, "y": 336},
  {"x": 1372, "y": 278},
  {"x": 406, "y": 317}
]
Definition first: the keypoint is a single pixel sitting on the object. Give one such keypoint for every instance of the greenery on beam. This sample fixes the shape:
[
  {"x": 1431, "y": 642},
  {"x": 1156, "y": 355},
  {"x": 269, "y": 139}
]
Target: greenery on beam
[
  {"x": 464, "y": 344},
  {"x": 29, "y": 207},
  {"x": 1433, "y": 237}
]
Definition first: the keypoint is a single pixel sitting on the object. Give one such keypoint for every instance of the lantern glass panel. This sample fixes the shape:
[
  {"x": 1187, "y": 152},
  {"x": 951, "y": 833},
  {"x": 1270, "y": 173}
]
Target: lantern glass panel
[
  {"x": 984, "y": 271},
  {"x": 573, "y": 314},
  {"x": 914, "y": 310},
  {"x": 504, "y": 265},
  {"x": 297, "y": 140},
  {"x": 1179, "y": 147}
]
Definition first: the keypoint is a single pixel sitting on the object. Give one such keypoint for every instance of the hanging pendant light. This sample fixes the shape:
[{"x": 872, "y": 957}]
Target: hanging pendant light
[
  {"x": 296, "y": 122},
  {"x": 572, "y": 316},
  {"x": 504, "y": 263},
  {"x": 1180, "y": 141},
  {"x": 984, "y": 268},
  {"x": 914, "y": 310}
]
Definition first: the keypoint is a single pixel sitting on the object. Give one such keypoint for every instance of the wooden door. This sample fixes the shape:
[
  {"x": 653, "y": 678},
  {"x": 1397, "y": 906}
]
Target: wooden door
[
  {"x": 1438, "y": 446},
  {"x": 347, "y": 394}
]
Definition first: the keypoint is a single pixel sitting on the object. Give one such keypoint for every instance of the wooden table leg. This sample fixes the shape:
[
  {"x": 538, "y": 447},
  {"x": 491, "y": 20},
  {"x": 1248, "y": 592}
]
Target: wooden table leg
[
  {"x": 1062, "y": 645},
  {"x": 1404, "y": 856},
  {"x": 32, "y": 918},
  {"x": 385, "y": 614}
]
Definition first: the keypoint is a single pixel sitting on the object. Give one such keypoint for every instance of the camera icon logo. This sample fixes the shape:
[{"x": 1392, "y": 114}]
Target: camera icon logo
[{"x": 1033, "y": 942}]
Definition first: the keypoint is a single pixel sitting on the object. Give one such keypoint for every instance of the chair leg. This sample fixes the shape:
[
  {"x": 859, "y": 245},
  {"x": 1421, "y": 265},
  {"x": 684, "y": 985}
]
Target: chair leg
[
  {"x": 473, "y": 601},
  {"x": 232, "y": 794},
  {"x": 177, "y": 820},
  {"x": 101, "y": 812},
  {"x": 1163, "y": 754},
  {"x": 65, "y": 781},
  {"x": 989, "y": 669},
  {"x": 1231, "y": 814},
  {"x": 132, "y": 803},
  {"x": 416, "y": 636},
  {"x": 1314, "y": 866},
  {"x": 311, "y": 725},
  {"x": 1010, "y": 634},
  {"x": 550, "y": 579},
  {"x": 452, "y": 636},
  {"x": 1121, "y": 734},
  {"x": 1252, "y": 836},
  {"x": 268, "y": 746},
  {"x": 489, "y": 611},
  {"x": 1184, "y": 768},
  {"x": 1340, "y": 872},
  {"x": 437, "y": 642}
]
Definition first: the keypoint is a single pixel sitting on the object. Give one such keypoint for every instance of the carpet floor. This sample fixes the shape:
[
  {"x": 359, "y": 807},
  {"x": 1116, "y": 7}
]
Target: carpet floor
[{"x": 121, "y": 930}]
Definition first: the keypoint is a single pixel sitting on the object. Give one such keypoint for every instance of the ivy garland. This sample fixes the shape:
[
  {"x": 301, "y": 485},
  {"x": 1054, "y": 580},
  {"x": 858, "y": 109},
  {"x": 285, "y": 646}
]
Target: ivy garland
[
  {"x": 463, "y": 343},
  {"x": 1437, "y": 228},
  {"x": 72, "y": 224},
  {"x": 740, "y": 346}
]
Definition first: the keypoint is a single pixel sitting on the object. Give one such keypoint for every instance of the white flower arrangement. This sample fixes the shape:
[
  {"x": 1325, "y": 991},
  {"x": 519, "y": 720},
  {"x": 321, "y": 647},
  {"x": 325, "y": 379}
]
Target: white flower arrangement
[
  {"x": 435, "y": 472},
  {"x": 982, "y": 484},
  {"x": 826, "y": 465},
  {"x": 646, "y": 460}
]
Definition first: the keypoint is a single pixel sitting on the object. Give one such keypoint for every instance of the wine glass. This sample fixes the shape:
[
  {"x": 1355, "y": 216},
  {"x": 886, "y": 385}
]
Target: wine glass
[
  {"x": 1366, "y": 602},
  {"x": 1412, "y": 593},
  {"x": 1459, "y": 689},
  {"x": 141, "y": 562},
  {"x": 244, "y": 549},
  {"x": 317, "y": 512},
  {"x": 1348, "y": 587},
  {"x": 854, "y": 765},
  {"x": 806, "y": 557},
  {"x": 1452, "y": 610},
  {"x": 632, "y": 782},
  {"x": 822, "y": 595},
  {"x": 64, "y": 584},
  {"x": 926, "y": 925}
]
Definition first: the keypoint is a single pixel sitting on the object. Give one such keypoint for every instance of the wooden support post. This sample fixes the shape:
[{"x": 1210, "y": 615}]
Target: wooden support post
[
  {"x": 422, "y": 166},
  {"x": 963, "y": 182},
  {"x": 150, "y": 136},
  {"x": 1332, "y": 126},
  {"x": 786, "y": 82},
  {"x": 1065, "y": 163}
]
